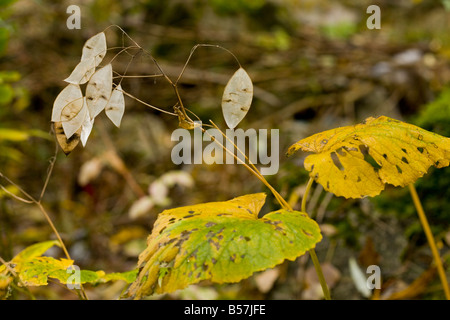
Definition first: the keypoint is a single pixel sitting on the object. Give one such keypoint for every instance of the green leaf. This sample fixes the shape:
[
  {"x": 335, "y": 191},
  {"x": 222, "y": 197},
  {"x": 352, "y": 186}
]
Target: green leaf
[
  {"x": 221, "y": 242},
  {"x": 127, "y": 276},
  {"x": 35, "y": 250}
]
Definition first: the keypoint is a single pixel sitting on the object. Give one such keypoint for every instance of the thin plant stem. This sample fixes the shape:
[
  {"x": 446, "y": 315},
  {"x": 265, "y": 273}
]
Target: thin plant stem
[
  {"x": 312, "y": 252},
  {"x": 430, "y": 238},
  {"x": 283, "y": 203},
  {"x": 323, "y": 283},
  {"x": 308, "y": 188}
]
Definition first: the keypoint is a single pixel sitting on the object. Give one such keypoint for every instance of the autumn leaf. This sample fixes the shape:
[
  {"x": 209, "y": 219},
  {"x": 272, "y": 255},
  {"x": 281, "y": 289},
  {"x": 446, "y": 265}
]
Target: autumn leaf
[
  {"x": 357, "y": 161},
  {"x": 67, "y": 145},
  {"x": 221, "y": 242},
  {"x": 34, "y": 269}
]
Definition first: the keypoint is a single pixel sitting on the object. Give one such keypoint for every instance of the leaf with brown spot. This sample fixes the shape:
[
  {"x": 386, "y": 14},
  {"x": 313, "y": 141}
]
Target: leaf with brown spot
[
  {"x": 116, "y": 106},
  {"x": 357, "y": 161},
  {"x": 98, "y": 90},
  {"x": 67, "y": 145},
  {"x": 237, "y": 98},
  {"x": 221, "y": 242},
  {"x": 95, "y": 48}
]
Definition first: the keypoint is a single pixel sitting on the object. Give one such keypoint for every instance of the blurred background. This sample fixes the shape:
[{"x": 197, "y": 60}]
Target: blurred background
[{"x": 314, "y": 64}]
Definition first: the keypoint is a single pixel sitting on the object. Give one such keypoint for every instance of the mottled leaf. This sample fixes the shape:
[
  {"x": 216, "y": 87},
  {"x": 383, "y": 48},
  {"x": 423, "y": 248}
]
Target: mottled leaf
[
  {"x": 116, "y": 106},
  {"x": 98, "y": 90},
  {"x": 35, "y": 272},
  {"x": 70, "y": 95},
  {"x": 67, "y": 145},
  {"x": 33, "y": 269},
  {"x": 237, "y": 98},
  {"x": 357, "y": 161},
  {"x": 221, "y": 242}
]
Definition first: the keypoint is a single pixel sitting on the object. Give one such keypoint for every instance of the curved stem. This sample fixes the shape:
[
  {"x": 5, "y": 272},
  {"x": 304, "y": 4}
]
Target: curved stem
[
  {"x": 308, "y": 188},
  {"x": 430, "y": 238},
  {"x": 285, "y": 205}
]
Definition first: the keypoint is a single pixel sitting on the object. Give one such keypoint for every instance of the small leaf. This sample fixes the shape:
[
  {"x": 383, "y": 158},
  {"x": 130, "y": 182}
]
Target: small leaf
[
  {"x": 98, "y": 90},
  {"x": 35, "y": 250},
  {"x": 75, "y": 118},
  {"x": 82, "y": 72},
  {"x": 357, "y": 161},
  {"x": 95, "y": 48},
  {"x": 71, "y": 94},
  {"x": 116, "y": 106},
  {"x": 67, "y": 145},
  {"x": 220, "y": 241},
  {"x": 37, "y": 271},
  {"x": 237, "y": 98}
]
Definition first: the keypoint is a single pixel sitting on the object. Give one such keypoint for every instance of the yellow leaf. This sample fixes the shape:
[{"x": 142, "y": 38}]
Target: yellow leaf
[
  {"x": 220, "y": 242},
  {"x": 357, "y": 161}
]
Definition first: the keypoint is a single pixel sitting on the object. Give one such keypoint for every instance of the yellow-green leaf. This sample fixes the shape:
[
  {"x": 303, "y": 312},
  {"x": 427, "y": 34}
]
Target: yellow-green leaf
[
  {"x": 357, "y": 161},
  {"x": 220, "y": 241},
  {"x": 36, "y": 271},
  {"x": 33, "y": 251}
]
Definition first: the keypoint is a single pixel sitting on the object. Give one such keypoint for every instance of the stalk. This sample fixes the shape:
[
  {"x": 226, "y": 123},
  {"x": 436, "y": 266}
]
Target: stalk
[{"x": 430, "y": 238}]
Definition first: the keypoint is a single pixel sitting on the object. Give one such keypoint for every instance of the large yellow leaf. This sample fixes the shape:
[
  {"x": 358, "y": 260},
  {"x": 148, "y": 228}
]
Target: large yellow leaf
[
  {"x": 221, "y": 242},
  {"x": 357, "y": 161}
]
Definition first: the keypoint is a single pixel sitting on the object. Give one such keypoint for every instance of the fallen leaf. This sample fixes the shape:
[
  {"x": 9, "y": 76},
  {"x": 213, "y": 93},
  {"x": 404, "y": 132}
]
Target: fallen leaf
[{"x": 265, "y": 280}]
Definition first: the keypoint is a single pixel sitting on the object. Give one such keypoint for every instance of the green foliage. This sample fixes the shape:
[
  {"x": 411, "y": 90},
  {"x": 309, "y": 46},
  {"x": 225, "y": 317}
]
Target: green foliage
[{"x": 34, "y": 269}]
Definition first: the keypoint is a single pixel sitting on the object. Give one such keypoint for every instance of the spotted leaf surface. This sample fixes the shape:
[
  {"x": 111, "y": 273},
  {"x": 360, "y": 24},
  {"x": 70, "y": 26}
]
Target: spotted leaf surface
[
  {"x": 237, "y": 98},
  {"x": 66, "y": 144},
  {"x": 116, "y": 106},
  {"x": 221, "y": 242},
  {"x": 357, "y": 161},
  {"x": 95, "y": 48},
  {"x": 98, "y": 90},
  {"x": 34, "y": 269}
]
